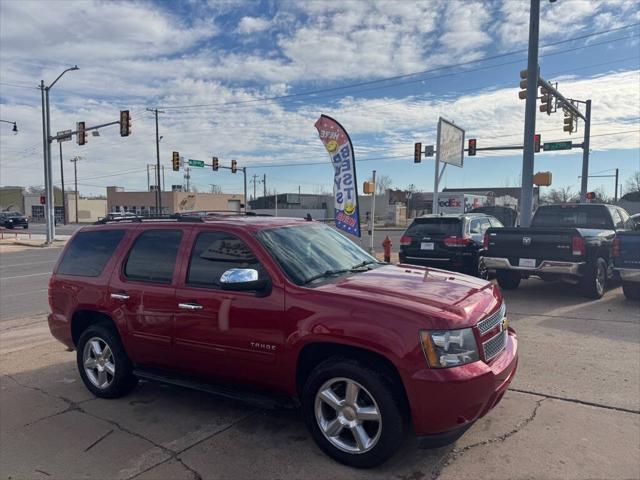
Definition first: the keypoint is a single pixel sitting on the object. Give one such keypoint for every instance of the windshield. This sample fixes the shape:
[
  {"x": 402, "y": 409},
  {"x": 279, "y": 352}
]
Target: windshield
[
  {"x": 572, "y": 216},
  {"x": 313, "y": 251}
]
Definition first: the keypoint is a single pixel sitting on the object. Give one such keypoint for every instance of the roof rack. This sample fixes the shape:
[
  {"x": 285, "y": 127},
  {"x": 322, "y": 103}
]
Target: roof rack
[
  {"x": 176, "y": 217},
  {"x": 227, "y": 213}
]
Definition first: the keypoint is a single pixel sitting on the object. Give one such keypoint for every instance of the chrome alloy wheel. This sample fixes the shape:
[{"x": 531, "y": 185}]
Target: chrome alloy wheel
[
  {"x": 601, "y": 279},
  {"x": 98, "y": 362},
  {"x": 348, "y": 415}
]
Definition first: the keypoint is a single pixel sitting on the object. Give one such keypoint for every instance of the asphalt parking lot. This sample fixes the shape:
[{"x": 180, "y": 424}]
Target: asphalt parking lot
[{"x": 573, "y": 410}]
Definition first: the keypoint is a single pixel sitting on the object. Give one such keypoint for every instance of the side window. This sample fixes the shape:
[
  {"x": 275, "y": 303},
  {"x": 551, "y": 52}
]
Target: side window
[
  {"x": 495, "y": 222},
  {"x": 625, "y": 217},
  {"x": 214, "y": 253},
  {"x": 617, "y": 220},
  {"x": 153, "y": 256},
  {"x": 474, "y": 227},
  {"x": 89, "y": 252},
  {"x": 484, "y": 225}
]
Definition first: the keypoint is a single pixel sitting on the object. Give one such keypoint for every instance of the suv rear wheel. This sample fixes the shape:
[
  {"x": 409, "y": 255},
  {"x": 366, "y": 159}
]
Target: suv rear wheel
[
  {"x": 631, "y": 290},
  {"x": 353, "y": 413},
  {"x": 103, "y": 364}
]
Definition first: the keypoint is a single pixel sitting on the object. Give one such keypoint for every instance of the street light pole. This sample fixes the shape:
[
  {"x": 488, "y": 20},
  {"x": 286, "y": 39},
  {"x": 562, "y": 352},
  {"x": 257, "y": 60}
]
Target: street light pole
[
  {"x": 585, "y": 153},
  {"x": 526, "y": 195},
  {"x": 158, "y": 189},
  {"x": 74, "y": 160},
  {"x": 48, "y": 168}
]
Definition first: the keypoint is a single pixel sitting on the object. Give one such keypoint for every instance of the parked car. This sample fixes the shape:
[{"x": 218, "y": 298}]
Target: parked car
[
  {"x": 626, "y": 258},
  {"x": 245, "y": 305},
  {"x": 13, "y": 220},
  {"x": 568, "y": 241},
  {"x": 636, "y": 220},
  {"x": 451, "y": 242},
  {"x": 506, "y": 215}
]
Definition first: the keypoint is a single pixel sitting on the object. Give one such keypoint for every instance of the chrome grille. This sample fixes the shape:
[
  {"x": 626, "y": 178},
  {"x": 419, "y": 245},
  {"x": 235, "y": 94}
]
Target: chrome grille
[
  {"x": 492, "y": 321},
  {"x": 495, "y": 345}
]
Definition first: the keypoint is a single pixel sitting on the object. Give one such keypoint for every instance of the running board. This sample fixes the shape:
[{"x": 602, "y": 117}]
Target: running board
[{"x": 244, "y": 395}]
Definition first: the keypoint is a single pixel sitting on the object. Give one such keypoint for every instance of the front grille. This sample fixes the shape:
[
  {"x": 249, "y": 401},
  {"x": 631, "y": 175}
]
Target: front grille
[
  {"x": 492, "y": 321},
  {"x": 495, "y": 345}
]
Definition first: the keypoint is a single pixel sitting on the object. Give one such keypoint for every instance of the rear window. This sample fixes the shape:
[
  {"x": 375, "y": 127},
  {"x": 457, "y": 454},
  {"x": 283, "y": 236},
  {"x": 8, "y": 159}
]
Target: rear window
[
  {"x": 89, "y": 252},
  {"x": 435, "y": 226},
  {"x": 572, "y": 217}
]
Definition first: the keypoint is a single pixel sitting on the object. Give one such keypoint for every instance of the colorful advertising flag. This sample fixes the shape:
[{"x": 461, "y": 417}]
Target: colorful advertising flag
[{"x": 345, "y": 189}]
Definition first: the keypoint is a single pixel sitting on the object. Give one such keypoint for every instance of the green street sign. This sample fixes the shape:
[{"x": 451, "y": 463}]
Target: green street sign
[
  {"x": 550, "y": 146},
  {"x": 196, "y": 163}
]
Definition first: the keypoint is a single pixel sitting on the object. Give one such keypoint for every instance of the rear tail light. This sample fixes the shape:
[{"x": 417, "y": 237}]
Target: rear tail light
[
  {"x": 577, "y": 246},
  {"x": 457, "y": 241},
  {"x": 485, "y": 241},
  {"x": 615, "y": 248},
  {"x": 405, "y": 240}
]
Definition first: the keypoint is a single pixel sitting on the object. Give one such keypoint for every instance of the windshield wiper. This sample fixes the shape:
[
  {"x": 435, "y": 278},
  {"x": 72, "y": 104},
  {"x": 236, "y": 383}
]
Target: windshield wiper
[
  {"x": 363, "y": 264},
  {"x": 327, "y": 273}
]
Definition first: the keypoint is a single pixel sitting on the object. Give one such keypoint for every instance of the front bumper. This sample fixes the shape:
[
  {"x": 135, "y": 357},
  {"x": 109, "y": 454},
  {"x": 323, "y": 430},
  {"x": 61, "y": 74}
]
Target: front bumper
[
  {"x": 444, "y": 402},
  {"x": 546, "y": 266},
  {"x": 629, "y": 274}
]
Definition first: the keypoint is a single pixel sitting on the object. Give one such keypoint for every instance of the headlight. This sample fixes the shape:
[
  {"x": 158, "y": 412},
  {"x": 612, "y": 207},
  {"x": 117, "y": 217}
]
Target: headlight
[{"x": 449, "y": 348}]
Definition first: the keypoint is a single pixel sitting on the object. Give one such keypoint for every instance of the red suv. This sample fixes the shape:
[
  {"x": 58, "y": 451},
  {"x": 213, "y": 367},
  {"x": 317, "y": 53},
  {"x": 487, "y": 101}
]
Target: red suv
[{"x": 246, "y": 306}]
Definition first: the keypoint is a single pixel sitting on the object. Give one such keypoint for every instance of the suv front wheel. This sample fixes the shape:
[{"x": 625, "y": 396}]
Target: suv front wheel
[
  {"x": 353, "y": 413},
  {"x": 103, "y": 364}
]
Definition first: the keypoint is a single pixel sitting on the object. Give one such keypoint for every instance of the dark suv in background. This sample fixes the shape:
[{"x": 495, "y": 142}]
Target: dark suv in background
[
  {"x": 451, "y": 242},
  {"x": 13, "y": 220}
]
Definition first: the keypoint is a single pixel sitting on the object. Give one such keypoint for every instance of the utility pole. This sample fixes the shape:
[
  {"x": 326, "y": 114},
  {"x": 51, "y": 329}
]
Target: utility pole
[
  {"x": 526, "y": 195},
  {"x": 373, "y": 213},
  {"x": 585, "y": 153},
  {"x": 254, "y": 180},
  {"x": 74, "y": 160},
  {"x": 264, "y": 187},
  {"x": 158, "y": 188},
  {"x": 64, "y": 204},
  {"x": 616, "y": 190},
  {"x": 244, "y": 174}
]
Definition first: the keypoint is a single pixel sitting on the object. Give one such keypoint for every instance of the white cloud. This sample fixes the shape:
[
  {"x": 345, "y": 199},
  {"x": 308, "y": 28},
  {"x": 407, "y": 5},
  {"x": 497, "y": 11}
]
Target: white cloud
[{"x": 248, "y": 25}]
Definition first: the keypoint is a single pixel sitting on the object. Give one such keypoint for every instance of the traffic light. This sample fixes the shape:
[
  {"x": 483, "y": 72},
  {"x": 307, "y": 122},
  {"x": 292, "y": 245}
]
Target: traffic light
[
  {"x": 175, "y": 161},
  {"x": 545, "y": 101},
  {"x": 537, "y": 140},
  {"x": 368, "y": 187},
  {"x": 234, "y": 166},
  {"x": 125, "y": 123},
  {"x": 81, "y": 136},
  {"x": 417, "y": 152},
  {"x": 215, "y": 164},
  {"x": 522, "y": 94},
  {"x": 472, "y": 147},
  {"x": 568, "y": 122}
]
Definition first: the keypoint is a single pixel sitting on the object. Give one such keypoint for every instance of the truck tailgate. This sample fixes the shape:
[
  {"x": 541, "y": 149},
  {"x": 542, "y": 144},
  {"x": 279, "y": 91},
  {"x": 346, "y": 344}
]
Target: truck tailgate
[{"x": 531, "y": 243}]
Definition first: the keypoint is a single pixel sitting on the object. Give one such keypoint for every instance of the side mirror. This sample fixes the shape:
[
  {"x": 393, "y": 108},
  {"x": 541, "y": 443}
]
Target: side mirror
[{"x": 242, "y": 279}]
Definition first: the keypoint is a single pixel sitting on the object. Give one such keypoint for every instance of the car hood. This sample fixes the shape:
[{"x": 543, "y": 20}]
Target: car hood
[{"x": 443, "y": 299}]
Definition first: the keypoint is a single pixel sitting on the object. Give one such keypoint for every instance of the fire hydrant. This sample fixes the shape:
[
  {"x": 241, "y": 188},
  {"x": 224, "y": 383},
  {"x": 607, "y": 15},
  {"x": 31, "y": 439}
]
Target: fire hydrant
[{"x": 387, "y": 249}]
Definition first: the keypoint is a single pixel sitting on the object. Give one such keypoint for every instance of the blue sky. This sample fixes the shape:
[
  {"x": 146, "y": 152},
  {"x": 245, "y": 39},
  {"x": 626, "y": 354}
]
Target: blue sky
[{"x": 215, "y": 68}]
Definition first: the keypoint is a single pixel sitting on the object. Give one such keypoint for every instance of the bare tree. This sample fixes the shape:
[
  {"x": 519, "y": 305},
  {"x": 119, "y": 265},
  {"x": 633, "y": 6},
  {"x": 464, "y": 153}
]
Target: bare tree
[
  {"x": 383, "y": 183},
  {"x": 633, "y": 183},
  {"x": 560, "y": 195}
]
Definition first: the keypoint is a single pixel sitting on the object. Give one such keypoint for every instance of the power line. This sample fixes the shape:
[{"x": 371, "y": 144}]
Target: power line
[{"x": 398, "y": 77}]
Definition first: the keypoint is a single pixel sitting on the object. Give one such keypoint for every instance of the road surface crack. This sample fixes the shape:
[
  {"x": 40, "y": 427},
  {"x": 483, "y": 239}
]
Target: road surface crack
[
  {"x": 194, "y": 472},
  {"x": 575, "y": 400},
  {"x": 454, "y": 454}
]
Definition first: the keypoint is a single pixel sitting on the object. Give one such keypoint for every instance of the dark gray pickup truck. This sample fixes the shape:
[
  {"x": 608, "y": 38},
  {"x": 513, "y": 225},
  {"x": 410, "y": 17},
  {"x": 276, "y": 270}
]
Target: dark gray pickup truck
[{"x": 570, "y": 241}]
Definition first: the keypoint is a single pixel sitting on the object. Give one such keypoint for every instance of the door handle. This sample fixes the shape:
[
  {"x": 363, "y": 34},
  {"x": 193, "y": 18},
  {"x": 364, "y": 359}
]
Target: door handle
[
  {"x": 190, "y": 306},
  {"x": 120, "y": 296}
]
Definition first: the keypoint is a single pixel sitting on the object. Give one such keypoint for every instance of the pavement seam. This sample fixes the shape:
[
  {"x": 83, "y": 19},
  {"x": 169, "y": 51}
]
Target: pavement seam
[
  {"x": 195, "y": 444},
  {"x": 564, "y": 317},
  {"x": 454, "y": 454},
  {"x": 575, "y": 400},
  {"x": 194, "y": 472}
]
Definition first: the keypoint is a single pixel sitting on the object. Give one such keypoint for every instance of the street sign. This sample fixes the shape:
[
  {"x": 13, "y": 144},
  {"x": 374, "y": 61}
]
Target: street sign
[
  {"x": 551, "y": 146},
  {"x": 66, "y": 136},
  {"x": 196, "y": 163},
  {"x": 428, "y": 150}
]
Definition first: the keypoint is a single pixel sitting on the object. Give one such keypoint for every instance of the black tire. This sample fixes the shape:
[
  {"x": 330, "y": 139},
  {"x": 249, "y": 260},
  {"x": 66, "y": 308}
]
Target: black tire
[
  {"x": 25, "y": 226},
  {"x": 387, "y": 397},
  {"x": 594, "y": 283},
  {"x": 123, "y": 380},
  {"x": 9, "y": 226},
  {"x": 481, "y": 270},
  {"x": 631, "y": 290},
  {"x": 508, "y": 279}
]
